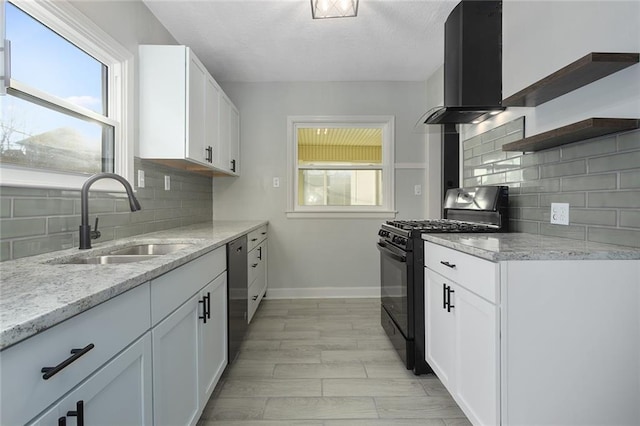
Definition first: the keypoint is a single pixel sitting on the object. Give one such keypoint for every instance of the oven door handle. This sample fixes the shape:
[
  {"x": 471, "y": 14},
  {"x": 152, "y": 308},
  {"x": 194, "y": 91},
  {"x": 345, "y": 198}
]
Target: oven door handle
[{"x": 387, "y": 251}]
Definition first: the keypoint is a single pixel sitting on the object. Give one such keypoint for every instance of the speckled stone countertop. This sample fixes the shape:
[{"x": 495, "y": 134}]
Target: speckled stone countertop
[
  {"x": 520, "y": 246},
  {"x": 38, "y": 292}
]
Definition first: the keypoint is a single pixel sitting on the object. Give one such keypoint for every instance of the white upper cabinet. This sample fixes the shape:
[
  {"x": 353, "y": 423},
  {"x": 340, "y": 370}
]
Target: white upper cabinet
[
  {"x": 229, "y": 144},
  {"x": 197, "y": 115},
  {"x": 186, "y": 120},
  {"x": 234, "y": 139}
]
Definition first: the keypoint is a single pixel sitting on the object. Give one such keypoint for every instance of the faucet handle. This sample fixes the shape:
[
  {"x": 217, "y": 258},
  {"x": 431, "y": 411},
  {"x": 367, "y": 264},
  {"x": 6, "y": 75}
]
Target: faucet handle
[{"x": 95, "y": 234}]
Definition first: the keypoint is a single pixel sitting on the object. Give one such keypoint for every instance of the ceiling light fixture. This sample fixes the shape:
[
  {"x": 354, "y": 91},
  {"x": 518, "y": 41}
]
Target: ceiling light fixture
[{"x": 321, "y": 9}]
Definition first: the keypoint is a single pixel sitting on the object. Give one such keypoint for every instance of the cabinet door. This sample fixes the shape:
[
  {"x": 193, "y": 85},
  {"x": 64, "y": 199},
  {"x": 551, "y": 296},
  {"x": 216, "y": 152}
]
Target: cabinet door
[
  {"x": 175, "y": 366},
  {"x": 118, "y": 394},
  {"x": 439, "y": 329},
  {"x": 225, "y": 133},
  {"x": 477, "y": 361},
  {"x": 234, "y": 140},
  {"x": 196, "y": 110},
  {"x": 212, "y": 121},
  {"x": 213, "y": 337}
]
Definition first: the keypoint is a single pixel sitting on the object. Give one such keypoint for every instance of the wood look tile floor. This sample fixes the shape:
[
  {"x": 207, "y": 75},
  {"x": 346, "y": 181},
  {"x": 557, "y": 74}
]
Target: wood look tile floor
[{"x": 325, "y": 362}]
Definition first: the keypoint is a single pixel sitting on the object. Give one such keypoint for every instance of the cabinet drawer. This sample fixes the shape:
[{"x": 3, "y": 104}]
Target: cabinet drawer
[
  {"x": 256, "y": 236},
  {"x": 110, "y": 327},
  {"x": 172, "y": 289},
  {"x": 256, "y": 262},
  {"x": 476, "y": 275},
  {"x": 256, "y": 292}
]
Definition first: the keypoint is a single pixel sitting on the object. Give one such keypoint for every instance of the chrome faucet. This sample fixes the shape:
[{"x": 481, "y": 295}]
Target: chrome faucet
[{"x": 85, "y": 229}]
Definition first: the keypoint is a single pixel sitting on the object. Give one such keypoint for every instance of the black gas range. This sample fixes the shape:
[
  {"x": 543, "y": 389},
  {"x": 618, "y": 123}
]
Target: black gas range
[{"x": 476, "y": 209}]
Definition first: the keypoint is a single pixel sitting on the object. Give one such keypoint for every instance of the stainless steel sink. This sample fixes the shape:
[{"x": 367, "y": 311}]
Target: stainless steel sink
[
  {"x": 149, "y": 249},
  {"x": 110, "y": 259},
  {"x": 136, "y": 253}
]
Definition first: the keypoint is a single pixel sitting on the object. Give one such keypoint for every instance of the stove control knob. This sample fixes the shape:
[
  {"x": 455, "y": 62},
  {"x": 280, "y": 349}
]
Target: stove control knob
[{"x": 402, "y": 241}]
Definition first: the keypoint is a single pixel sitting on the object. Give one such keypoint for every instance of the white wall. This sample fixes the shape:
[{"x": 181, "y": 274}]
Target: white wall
[
  {"x": 317, "y": 257},
  {"x": 540, "y": 37},
  {"x": 433, "y": 195}
]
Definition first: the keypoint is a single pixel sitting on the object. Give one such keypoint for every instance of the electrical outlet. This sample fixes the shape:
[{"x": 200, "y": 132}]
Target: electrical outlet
[
  {"x": 140, "y": 178},
  {"x": 276, "y": 182},
  {"x": 560, "y": 213},
  {"x": 417, "y": 189},
  {"x": 167, "y": 183}
]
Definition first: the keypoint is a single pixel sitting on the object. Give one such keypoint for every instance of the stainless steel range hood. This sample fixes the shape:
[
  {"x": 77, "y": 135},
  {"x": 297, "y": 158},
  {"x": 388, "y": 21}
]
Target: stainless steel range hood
[{"x": 472, "y": 64}]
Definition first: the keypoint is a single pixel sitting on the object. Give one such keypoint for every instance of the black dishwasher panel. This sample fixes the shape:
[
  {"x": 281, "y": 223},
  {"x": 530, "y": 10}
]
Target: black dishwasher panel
[{"x": 237, "y": 292}]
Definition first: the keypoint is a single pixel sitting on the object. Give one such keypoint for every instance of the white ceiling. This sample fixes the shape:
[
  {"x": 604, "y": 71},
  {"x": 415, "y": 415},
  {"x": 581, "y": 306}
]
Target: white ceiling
[{"x": 277, "y": 40}]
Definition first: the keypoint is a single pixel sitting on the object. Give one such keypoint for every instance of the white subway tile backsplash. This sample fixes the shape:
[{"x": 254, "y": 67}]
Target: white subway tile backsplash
[
  {"x": 590, "y": 182},
  {"x": 630, "y": 180},
  {"x": 630, "y": 218},
  {"x": 620, "y": 199},
  {"x": 628, "y": 141},
  {"x": 622, "y": 161},
  {"x": 589, "y": 149},
  {"x": 599, "y": 178},
  {"x": 39, "y": 220}
]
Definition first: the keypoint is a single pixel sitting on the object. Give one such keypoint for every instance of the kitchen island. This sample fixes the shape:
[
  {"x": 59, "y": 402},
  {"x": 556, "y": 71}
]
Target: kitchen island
[{"x": 528, "y": 329}]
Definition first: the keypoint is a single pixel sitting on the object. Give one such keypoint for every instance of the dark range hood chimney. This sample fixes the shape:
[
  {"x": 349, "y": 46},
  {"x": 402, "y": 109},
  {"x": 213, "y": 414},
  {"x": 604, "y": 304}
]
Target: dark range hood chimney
[{"x": 472, "y": 64}]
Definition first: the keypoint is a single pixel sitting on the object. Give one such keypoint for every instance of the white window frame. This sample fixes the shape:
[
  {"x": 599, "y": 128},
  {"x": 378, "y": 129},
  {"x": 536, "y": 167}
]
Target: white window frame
[
  {"x": 67, "y": 21},
  {"x": 385, "y": 122}
]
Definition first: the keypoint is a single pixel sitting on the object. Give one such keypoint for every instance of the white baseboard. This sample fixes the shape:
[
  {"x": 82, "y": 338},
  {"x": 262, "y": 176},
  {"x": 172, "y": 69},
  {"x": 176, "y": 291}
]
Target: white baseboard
[{"x": 323, "y": 292}]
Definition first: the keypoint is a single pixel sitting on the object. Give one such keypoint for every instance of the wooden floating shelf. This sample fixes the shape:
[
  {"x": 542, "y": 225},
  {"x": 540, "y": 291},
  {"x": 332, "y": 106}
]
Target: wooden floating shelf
[
  {"x": 582, "y": 130},
  {"x": 585, "y": 70}
]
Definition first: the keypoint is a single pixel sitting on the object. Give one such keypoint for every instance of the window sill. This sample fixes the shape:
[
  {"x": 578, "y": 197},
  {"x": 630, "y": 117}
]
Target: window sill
[
  {"x": 31, "y": 178},
  {"x": 342, "y": 215}
]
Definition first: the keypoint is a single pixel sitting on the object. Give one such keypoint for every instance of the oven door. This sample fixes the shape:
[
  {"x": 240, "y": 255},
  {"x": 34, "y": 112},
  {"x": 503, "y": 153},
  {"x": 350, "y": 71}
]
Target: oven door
[{"x": 396, "y": 275}]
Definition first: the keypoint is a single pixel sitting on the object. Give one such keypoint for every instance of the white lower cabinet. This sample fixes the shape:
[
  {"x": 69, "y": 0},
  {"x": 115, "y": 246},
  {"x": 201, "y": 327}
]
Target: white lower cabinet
[
  {"x": 535, "y": 342},
  {"x": 117, "y": 394},
  {"x": 477, "y": 359},
  {"x": 190, "y": 344},
  {"x": 462, "y": 346},
  {"x": 150, "y": 356},
  {"x": 256, "y": 269},
  {"x": 213, "y": 338},
  {"x": 175, "y": 366},
  {"x": 440, "y": 328},
  {"x": 36, "y": 373}
]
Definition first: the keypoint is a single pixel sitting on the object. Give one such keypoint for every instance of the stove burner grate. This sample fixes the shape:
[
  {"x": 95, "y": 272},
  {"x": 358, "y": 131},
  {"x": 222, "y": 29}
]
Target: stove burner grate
[{"x": 440, "y": 225}]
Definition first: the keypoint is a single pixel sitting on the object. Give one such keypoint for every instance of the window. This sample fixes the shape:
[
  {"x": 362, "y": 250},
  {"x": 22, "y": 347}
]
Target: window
[
  {"x": 63, "y": 110},
  {"x": 341, "y": 166}
]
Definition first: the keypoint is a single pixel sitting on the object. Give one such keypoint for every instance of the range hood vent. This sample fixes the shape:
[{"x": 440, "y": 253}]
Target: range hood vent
[{"x": 472, "y": 64}]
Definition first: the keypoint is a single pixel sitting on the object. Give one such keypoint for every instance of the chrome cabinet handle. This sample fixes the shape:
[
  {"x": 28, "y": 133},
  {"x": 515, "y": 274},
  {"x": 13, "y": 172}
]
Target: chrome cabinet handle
[
  {"x": 75, "y": 354},
  {"x": 450, "y": 265}
]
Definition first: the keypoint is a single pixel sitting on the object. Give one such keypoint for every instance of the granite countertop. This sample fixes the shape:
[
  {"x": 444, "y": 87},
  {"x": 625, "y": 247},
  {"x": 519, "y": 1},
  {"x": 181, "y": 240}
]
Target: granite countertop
[
  {"x": 38, "y": 292},
  {"x": 520, "y": 246}
]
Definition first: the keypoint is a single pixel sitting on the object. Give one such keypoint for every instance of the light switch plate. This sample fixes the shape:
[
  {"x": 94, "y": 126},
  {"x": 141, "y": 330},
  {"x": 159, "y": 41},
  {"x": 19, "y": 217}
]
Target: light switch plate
[
  {"x": 167, "y": 183},
  {"x": 417, "y": 189},
  {"x": 560, "y": 213}
]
